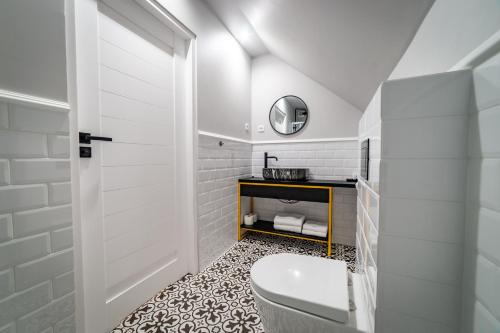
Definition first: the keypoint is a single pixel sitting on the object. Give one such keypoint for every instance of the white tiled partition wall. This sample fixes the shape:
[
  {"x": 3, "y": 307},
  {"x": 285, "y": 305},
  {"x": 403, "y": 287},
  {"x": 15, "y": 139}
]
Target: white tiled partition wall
[
  {"x": 422, "y": 203},
  {"x": 336, "y": 160},
  {"x": 36, "y": 238},
  {"x": 219, "y": 168},
  {"x": 368, "y": 206},
  {"x": 481, "y": 302}
]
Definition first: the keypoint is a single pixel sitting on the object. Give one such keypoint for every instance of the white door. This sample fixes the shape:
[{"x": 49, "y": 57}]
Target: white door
[{"x": 132, "y": 239}]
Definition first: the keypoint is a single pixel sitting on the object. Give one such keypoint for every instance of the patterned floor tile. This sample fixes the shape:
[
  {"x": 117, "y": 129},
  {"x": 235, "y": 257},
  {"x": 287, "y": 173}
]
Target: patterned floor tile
[{"x": 219, "y": 299}]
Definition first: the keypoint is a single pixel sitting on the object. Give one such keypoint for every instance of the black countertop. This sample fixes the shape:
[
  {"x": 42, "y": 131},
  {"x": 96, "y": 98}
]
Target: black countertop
[{"x": 312, "y": 182}]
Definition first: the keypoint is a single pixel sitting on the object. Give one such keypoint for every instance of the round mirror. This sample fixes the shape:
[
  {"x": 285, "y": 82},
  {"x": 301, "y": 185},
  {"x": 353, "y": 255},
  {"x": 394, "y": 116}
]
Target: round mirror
[{"x": 288, "y": 115}]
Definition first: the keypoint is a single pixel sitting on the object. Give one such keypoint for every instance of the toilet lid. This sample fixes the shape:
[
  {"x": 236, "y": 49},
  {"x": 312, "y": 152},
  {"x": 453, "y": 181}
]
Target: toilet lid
[{"x": 310, "y": 284}]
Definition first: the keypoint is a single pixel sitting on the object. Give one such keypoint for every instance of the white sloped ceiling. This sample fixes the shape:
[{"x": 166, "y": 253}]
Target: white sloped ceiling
[{"x": 349, "y": 46}]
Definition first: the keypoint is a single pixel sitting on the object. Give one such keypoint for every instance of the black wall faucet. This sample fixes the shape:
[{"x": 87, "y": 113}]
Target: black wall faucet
[{"x": 268, "y": 157}]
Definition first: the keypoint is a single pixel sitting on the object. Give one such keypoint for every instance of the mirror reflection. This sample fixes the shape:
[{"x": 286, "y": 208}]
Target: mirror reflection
[{"x": 288, "y": 115}]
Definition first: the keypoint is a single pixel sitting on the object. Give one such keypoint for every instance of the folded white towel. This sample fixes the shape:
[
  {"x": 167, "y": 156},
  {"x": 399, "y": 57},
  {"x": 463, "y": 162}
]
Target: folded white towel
[
  {"x": 313, "y": 233},
  {"x": 297, "y": 223},
  {"x": 290, "y": 219},
  {"x": 315, "y": 226},
  {"x": 288, "y": 228}
]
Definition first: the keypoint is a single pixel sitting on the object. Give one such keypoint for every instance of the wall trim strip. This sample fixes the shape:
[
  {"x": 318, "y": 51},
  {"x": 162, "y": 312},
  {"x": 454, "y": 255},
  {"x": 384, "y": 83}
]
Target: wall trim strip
[
  {"x": 225, "y": 137},
  {"x": 480, "y": 54},
  {"x": 30, "y": 99},
  {"x": 263, "y": 142}
]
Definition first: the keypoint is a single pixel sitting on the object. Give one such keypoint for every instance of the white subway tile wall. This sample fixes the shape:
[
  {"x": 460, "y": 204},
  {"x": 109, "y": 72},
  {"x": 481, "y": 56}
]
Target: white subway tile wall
[
  {"x": 219, "y": 168},
  {"x": 36, "y": 233},
  {"x": 336, "y": 160},
  {"x": 368, "y": 202},
  {"x": 422, "y": 202},
  {"x": 481, "y": 281}
]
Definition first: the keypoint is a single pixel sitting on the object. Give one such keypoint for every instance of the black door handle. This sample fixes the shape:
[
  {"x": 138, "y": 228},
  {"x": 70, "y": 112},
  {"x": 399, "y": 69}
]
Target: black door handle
[{"x": 86, "y": 138}]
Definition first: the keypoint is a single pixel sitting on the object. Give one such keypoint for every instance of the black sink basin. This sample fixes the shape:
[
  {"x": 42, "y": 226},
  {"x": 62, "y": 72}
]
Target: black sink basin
[{"x": 285, "y": 174}]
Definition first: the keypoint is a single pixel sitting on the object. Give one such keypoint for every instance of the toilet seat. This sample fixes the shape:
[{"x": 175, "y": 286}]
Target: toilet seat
[{"x": 310, "y": 284}]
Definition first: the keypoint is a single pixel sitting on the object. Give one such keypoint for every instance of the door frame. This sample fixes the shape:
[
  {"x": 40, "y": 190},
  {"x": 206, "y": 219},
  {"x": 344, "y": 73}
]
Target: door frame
[{"x": 83, "y": 81}]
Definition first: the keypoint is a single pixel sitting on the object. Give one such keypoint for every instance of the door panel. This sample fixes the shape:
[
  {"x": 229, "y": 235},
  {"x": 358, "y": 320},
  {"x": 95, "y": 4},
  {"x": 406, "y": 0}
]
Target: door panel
[
  {"x": 119, "y": 107},
  {"x": 122, "y": 177},
  {"x": 141, "y": 233},
  {"x": 146, "y": 45},
  {"x": 133, "y": 65},
  {"x": 129, "y": 131},
  {"x": 121, "y": 84},
  {"x": 133, "y": 235},
  {"x": 135, "y": 154}
]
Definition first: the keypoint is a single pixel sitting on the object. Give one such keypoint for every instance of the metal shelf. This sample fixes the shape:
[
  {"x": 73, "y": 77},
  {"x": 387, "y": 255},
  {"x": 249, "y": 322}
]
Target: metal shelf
[{"x": 267, "y": 227}]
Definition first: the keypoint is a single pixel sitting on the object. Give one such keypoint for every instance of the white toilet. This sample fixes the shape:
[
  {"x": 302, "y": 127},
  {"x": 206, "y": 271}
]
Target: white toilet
[{"x": 299, "y": 294}]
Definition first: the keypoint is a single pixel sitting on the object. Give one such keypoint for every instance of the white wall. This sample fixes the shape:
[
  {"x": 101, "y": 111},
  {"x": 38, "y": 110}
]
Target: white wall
[
  {"x": 368, "y": 199},
  {"x": 329, "y": 115},
  {"x": 411, "y": 211},
  {"x": 219, "y": 167},
  {"x": 450, "y": 31},
  {"x": 223, "y": 71},
  {"x": 33, "y": 54},
  {"x": 481, "y": 309},
  {"x": 36, "y": 233},
  {"x": 422, "y": 203}
]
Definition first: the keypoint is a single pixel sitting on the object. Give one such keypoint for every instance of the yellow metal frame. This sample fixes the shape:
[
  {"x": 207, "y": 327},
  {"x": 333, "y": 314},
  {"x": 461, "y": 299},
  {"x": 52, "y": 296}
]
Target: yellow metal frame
[{"x": 330, "y": 213}]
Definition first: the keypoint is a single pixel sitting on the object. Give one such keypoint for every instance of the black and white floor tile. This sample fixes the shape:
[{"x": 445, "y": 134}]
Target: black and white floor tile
[{"x": 219, "y": 299}]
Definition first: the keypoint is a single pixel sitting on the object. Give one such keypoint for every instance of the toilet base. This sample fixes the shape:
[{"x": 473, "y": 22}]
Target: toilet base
[{"x": 277, "y": 318}]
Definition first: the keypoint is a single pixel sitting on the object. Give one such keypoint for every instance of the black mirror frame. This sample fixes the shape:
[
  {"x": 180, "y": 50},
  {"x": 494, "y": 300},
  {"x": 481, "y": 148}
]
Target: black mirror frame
[{"x": 305, "y": 123}]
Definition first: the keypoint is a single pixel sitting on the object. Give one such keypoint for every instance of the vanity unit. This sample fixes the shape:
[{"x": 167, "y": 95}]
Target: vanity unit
[{"x": 308, "y": 190}]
